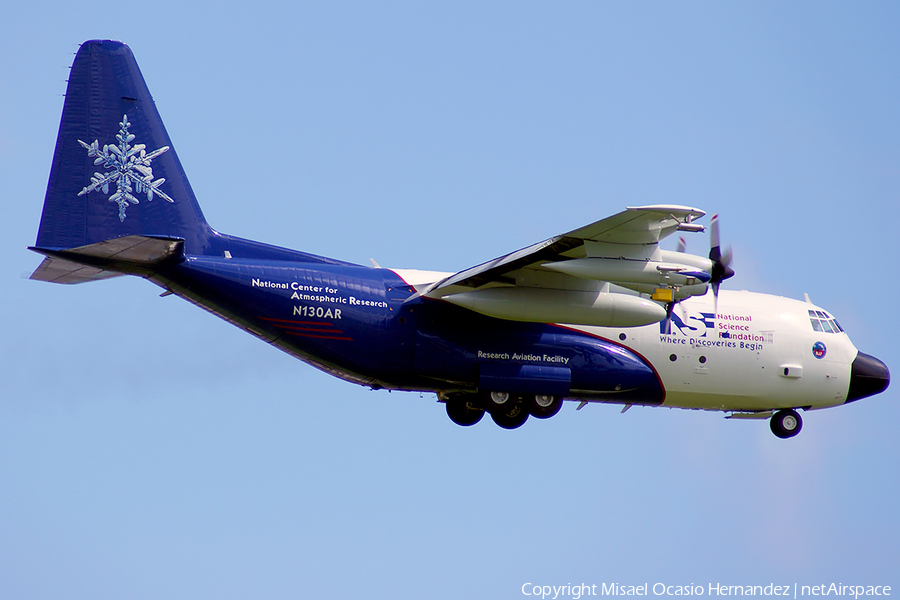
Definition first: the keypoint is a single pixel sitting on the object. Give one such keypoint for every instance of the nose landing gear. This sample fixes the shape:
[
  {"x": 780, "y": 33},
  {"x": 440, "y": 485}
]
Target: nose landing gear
[{"x": 786, "y": 423}]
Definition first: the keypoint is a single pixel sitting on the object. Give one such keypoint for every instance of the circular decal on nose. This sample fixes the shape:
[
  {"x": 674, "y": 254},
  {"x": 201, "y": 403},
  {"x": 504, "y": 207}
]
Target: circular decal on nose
[{"x": 819, "y": 350}]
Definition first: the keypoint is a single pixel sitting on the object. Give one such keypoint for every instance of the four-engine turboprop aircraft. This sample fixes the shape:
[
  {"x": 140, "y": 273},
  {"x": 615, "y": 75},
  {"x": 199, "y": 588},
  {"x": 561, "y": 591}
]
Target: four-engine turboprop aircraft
[{"x": 599, "y": 314}]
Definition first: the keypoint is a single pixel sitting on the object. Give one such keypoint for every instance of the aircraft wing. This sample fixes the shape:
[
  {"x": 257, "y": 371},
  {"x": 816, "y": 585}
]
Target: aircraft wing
[
  {"x": 633, "y": 228},
  {"x": 567, "y": 278}
]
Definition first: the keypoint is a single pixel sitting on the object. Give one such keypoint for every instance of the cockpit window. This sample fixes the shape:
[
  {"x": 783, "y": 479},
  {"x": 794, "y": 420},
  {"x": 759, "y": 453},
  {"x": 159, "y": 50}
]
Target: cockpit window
[{"x": 822, "y": 322}]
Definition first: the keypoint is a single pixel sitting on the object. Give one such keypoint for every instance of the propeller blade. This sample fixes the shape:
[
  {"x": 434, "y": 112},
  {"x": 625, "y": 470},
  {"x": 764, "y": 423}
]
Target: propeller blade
[
  {"x": 720, "y": 269},
  {"x": 714, "y": 231},
  {"x": 669, "y": 307},
  {"x": 681, "y": 244},
  {"x": 715, "y": 252},
  {"x": 684, "y": 317},
  {"x": 726, "y": 258}
]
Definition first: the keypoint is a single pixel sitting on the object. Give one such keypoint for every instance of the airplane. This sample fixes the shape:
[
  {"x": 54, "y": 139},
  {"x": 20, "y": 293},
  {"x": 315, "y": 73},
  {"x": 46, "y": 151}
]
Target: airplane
[{"x": 600, "y": 314}]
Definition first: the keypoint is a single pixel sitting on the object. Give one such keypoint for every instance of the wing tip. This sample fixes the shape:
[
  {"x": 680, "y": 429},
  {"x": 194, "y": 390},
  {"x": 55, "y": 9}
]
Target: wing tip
[{"x": 670, "y": 208}]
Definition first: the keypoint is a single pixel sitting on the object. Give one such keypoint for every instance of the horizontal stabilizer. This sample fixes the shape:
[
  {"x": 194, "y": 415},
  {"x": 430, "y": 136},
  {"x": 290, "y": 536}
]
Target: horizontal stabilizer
[
  {"x": 131, "y": 255},
  {"x": 60, "y": 270}
]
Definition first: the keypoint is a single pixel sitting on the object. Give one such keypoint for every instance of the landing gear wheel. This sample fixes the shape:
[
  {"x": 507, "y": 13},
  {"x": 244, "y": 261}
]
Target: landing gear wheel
[
  {"x": 786, "y": 423},
  {"x": 498, "y": 401},
  {"x": 513, "y": 418},
  {"x": 464, "y": 410},
  {"x": 543, "y": 407}
]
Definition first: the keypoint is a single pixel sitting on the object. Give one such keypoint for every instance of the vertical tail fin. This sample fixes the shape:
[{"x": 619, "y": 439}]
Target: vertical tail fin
[
  {"x": 118, "y": 201},
  {"x": 115, "y": 171}
]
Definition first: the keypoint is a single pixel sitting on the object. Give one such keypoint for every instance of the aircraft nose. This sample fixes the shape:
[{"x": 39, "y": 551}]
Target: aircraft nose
[{"x": 868, "y": 376}]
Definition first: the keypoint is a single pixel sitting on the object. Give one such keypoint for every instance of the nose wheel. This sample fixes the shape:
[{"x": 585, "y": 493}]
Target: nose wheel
[{"x": 786, "y": 423}]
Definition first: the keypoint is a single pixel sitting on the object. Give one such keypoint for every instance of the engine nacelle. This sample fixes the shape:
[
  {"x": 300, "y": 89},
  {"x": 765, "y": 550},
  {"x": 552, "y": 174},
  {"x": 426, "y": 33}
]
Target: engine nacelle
[
  {"x": 621, "y": 270},
  {"x": 540, "y": 305}
]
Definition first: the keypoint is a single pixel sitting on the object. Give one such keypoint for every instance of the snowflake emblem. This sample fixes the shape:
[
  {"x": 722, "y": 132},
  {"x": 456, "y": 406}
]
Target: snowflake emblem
[{"x": 131, "y": 171}]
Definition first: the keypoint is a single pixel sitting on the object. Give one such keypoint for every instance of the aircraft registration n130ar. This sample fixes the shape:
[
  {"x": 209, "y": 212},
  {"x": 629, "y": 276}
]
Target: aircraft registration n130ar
[{"x": 598, "y": 314}]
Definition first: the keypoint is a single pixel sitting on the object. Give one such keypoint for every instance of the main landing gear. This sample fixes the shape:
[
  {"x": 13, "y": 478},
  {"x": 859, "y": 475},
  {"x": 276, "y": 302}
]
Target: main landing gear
[
  {"x": 786, "y": 423},
  {"x": 509, "y": 411}
]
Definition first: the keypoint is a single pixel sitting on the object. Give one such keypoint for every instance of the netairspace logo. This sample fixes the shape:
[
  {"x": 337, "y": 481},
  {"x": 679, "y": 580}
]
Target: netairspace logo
[{"x": 577, "y": 591}]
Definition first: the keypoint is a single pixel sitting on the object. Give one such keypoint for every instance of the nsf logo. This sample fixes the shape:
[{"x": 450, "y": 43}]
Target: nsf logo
[{"x": 819, "y": 350}]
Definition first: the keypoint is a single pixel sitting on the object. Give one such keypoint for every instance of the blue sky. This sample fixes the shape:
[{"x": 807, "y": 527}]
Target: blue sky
[{"x": 149, "y": 450}]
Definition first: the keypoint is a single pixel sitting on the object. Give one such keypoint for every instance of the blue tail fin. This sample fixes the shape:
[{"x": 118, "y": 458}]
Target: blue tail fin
[
  {"x": 118, "y": 201},
  {"x": 115, "y": 171}
]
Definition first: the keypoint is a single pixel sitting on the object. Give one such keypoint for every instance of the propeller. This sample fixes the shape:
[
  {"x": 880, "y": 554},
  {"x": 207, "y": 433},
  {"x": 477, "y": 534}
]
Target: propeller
[
  {"x": 669, "y": 306},
  {"x": 719, "y": 272},
  {"x": 720, "y": 261},
  {"x": 682, "y": 245}
]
